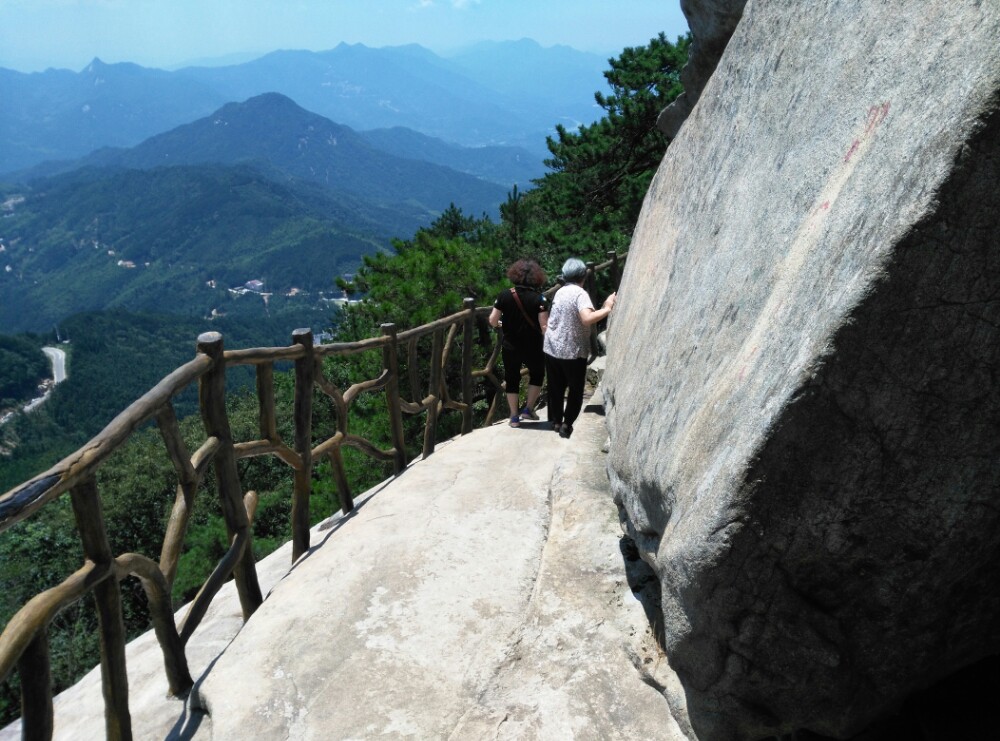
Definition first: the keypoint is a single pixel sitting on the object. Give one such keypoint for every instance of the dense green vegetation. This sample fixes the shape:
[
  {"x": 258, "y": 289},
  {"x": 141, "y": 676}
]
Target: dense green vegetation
[
  {"x": 154, "y": 241},
  {"x": 586, "y": 205},
  {"x": 589, "y": 202},
  {"x": 116, "y": 357},
  {"x": 22, "y": 366}
]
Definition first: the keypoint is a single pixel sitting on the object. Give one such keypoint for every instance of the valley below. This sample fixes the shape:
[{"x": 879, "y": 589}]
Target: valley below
[{"x": 58, "y": 358}]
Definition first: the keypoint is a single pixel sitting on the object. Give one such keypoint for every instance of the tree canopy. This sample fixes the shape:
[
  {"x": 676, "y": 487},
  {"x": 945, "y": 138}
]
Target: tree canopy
[
  {"x": 22, "y": 366},
  {"x": 590, "y": 201}
]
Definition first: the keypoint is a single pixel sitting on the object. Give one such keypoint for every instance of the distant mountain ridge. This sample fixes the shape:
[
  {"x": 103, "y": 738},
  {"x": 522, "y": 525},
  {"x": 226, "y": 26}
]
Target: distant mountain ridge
[
  {"x": 498, "y": 164},
  {"x": 282, "y": 139},
  {"x": 59, "y": 114}
]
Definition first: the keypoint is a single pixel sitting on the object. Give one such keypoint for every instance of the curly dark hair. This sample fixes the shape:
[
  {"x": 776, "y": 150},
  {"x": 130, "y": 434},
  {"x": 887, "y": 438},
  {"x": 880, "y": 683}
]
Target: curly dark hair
[{"x": 526, "y": 273}]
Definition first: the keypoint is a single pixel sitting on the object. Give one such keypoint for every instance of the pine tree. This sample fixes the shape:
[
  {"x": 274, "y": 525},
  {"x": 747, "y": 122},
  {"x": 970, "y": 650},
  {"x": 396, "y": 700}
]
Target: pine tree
[{"x": 590, "y": 201}]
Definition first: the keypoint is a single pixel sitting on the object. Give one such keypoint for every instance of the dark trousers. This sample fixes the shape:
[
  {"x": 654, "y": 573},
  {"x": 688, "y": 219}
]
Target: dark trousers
[{"x": 565, "y": 375}]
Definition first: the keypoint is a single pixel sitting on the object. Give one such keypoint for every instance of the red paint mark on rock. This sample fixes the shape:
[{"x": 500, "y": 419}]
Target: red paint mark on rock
[
  {"x": 852, "y": 150},
  {"x": 876, "y": 115},
  {"x": 825, "y": 206}
]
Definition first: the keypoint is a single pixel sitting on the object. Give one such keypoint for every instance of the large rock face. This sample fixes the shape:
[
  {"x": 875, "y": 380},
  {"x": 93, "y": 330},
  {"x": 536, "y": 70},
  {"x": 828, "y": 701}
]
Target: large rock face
[
  {"x": 803, "y": 367},
  {"x": 712, "y": 22}
]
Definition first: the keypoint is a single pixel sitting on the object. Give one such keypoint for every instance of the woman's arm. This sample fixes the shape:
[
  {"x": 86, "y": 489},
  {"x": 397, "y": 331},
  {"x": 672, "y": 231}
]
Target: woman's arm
[
  {"x": 494, "y": 319},
  {"x": 543, "y": 321},
  {"x": 593, "y": 316}
]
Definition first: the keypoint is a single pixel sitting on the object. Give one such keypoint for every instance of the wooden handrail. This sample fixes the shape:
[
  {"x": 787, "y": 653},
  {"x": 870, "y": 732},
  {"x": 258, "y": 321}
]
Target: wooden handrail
[
  {"x": 24, "y": 641},
  {"x": 23, "y": 500}
]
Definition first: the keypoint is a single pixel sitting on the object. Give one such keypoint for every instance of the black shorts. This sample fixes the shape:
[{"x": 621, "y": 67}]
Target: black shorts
[{"x": 514, "y": 359}]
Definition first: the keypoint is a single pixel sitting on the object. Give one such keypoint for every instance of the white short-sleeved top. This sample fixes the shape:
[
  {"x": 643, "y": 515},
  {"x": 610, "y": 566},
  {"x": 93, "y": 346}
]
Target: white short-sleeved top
[{"x": 567, "y": 337}]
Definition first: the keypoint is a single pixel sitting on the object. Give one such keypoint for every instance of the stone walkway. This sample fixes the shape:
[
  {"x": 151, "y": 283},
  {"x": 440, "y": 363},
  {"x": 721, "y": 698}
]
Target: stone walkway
[{"x": 481, "y": 594}]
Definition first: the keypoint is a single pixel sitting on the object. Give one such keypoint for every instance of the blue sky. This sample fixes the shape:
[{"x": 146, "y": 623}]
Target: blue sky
[{"x": 36, "y": 34}]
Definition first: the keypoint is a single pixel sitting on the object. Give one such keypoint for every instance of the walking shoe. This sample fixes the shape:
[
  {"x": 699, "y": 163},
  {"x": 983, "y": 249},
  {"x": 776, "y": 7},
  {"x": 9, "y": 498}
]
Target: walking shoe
[
  {"x": 565, "y": 431},
  {"x": 557, "y": 426},
  {"x": 515, "y": 421},
  {"x": 529, "y": 414}
]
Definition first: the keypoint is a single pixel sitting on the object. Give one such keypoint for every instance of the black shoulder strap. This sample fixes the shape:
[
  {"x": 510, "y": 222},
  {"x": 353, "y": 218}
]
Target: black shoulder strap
[{"x": 527, "y": 318}]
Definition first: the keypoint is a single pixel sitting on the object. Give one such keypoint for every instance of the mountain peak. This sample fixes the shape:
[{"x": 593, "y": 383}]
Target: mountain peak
[
  {"x": 271, "y": 99},
  {"x": 97, "y": 66}
]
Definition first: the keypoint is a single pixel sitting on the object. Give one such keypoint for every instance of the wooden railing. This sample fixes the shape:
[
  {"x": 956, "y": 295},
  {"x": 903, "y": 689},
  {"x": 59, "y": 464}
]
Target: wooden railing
[{"x": 24, "y": 641}]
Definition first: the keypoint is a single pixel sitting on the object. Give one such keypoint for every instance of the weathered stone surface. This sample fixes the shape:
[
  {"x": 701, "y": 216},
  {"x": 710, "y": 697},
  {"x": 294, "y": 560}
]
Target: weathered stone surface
[
  {"x": 394, "y": 622},
  {"x": 584, "y": 663},
  {"x": 478, "y": 596},
  {"x": 803, "y": 363},
  {"x": 712, "y": 23}
]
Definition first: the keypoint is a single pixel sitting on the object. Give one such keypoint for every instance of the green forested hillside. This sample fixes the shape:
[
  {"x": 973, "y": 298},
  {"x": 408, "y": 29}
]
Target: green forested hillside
[
  {"x": 22, "y": 366},
  {"x": 153, "y": 241}
]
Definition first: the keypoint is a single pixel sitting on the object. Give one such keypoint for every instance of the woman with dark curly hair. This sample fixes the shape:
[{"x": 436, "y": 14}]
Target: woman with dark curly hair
[{"x": 523, "y": 313}]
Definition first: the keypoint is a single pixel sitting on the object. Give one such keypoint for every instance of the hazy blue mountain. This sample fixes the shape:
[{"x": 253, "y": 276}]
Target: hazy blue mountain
[
  {"x": 501, "y": 94},
  {"x": 505, "y": 165},
  {"x": 279, "y": 137},
  {"x": 558, "y": 80},
  {"x": 59, "y": 114},
  {"x": 369, "y": 88}
]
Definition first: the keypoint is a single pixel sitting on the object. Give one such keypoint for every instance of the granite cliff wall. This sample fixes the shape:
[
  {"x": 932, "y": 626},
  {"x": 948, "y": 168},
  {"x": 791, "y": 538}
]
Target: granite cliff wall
[{"x": 803, "y": 367}]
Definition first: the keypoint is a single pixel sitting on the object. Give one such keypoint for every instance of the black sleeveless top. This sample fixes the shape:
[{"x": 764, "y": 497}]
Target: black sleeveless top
[{"x": 518, "y": 333}]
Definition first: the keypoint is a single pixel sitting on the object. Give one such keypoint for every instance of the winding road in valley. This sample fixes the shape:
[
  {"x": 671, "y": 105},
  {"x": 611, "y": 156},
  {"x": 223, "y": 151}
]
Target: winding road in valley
[{"x": 58, "y": 359}]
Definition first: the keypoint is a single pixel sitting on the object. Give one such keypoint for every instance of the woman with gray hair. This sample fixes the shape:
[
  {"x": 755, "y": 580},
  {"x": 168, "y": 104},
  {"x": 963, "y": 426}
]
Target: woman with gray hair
[{"x": 567, "y": 345}]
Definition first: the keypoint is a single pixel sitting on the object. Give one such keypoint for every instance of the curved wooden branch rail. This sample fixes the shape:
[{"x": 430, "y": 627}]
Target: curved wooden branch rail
[
  {"x": 24, "y": 500},
  {"x": 24, "y": 641},
  {"x": 42, "y": 608}
]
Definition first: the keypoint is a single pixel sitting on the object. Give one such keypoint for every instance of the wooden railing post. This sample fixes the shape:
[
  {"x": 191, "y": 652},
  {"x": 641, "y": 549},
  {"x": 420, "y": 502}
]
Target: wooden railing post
[
  {"x": 107, "y": 596},
  {"x": 468, "y": 330},
  {"x": 434, "y": 393},
  {"x": 616, "y": 274},
  {"x": 589, "y": 283},
  {"x": 35, "y": 668},
  {"x": 591, "y": 273},
  {"x": 161, "y": 612},
  {"x": 212, "y": 400},
  {"x": 187, "y": 485},
  {"x": 390, "y": 362},
  {"x": 305, "y": 370},
  {"x": 268, "y": 423},
  {"x": 336, "y": 459}
]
